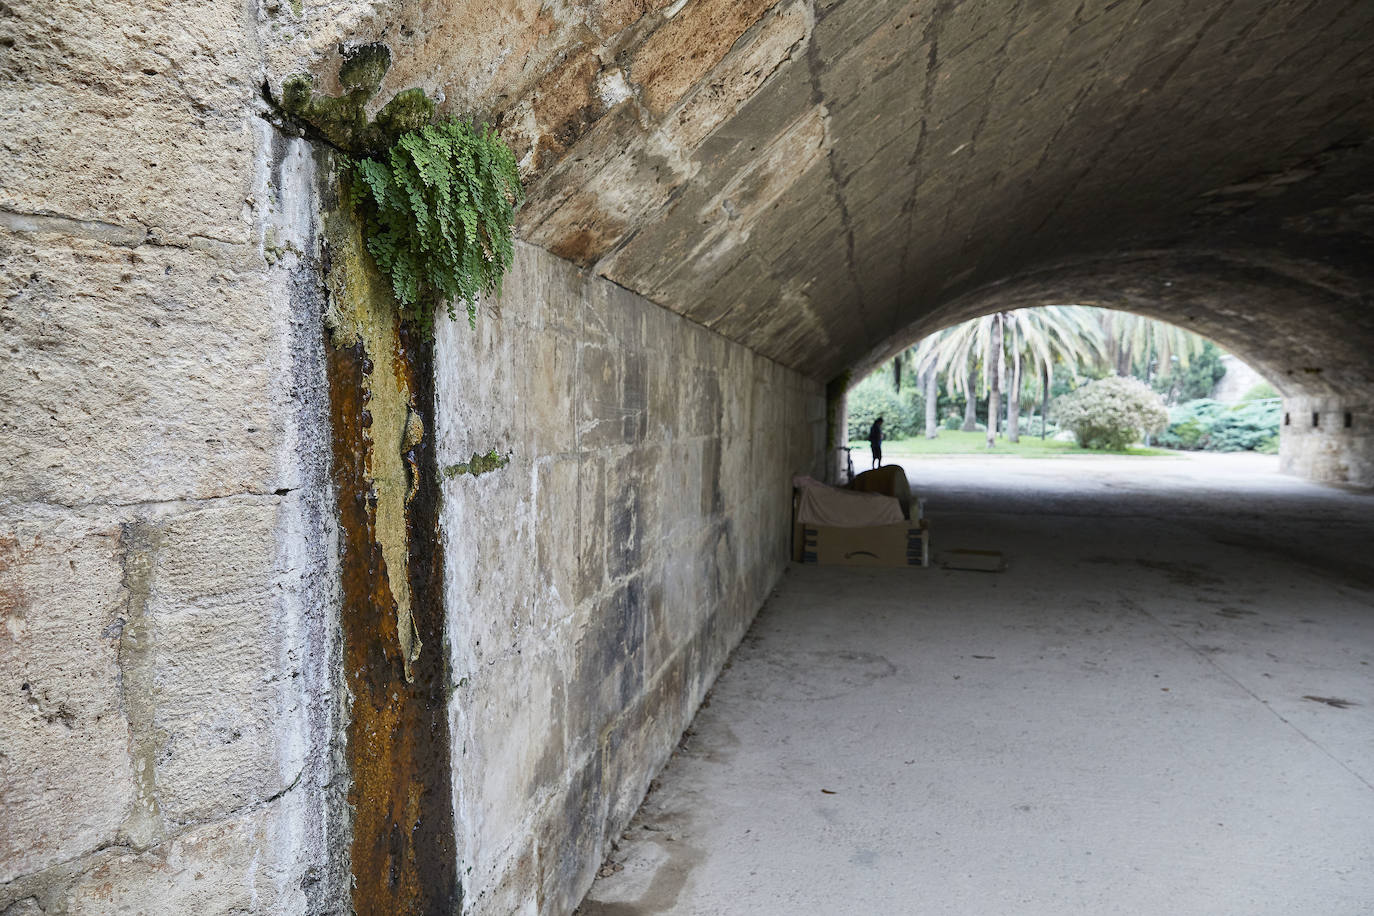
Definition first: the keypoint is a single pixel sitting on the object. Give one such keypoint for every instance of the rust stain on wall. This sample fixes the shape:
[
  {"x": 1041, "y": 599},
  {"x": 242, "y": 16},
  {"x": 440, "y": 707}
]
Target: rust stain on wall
[{"x": 382, "y": 407}]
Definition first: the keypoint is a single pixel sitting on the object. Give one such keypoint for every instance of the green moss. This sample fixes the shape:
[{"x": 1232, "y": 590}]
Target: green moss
[
  {"x": 364, "y": 67},
  {"x": 342, "y": 119},
  {"x": 477, "y": 465},
  {"x": 339, "y": 119},
  {"x": 407, "y": 111}
]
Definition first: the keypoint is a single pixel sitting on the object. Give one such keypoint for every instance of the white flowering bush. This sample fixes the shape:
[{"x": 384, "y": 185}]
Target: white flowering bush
[{"x": 1111, "y": 413}]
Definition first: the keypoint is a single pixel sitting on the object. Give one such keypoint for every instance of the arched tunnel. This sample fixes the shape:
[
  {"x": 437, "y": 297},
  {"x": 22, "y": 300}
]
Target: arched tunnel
[{"x": 310, "y": 607}]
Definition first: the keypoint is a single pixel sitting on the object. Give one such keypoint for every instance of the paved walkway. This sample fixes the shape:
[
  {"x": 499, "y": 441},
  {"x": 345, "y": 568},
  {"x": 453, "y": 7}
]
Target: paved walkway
[{"x": 1145, "y": 714}]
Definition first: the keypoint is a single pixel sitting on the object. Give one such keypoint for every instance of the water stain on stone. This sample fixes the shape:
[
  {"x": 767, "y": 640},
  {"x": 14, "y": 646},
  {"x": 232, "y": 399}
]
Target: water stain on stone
[
  {"x": 402, "y": 857},
  {"x": 1235, "y": 613}
]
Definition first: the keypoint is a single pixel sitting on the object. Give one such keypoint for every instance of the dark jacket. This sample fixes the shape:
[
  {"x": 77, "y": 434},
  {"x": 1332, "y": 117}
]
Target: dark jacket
[{"x": 875, "y": 433}]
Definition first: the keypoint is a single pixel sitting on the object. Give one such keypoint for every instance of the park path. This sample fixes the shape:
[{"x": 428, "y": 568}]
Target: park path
[{"x": 1164, "y": 705}]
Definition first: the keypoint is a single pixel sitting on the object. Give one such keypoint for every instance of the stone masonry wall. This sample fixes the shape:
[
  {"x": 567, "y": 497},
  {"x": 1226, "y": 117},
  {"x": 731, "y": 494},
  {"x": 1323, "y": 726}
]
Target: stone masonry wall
[
  {"x": 597, "y": 583},
  {"x": 173, "y": 714},
  {"x": 168, "y": 709},
  {"x": 1330, "y": 439}
]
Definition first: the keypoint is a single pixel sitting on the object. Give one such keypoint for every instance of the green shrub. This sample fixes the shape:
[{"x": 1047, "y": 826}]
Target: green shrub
[
  {"x": 1111, "y": 413},
  {"x": 903, "y": 412},
  {"x": 1216, "y": 427},
  {"x": 1261, "y": 392},
  {"x": 439, "y": 209},
  {"x": 1033, "y": 427},
  {"x": 1246, "y": 427}
]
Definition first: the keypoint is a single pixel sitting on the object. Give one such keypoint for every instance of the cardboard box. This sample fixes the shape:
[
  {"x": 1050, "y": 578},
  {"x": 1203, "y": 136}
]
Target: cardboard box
[{"x": 907, "y": 544}]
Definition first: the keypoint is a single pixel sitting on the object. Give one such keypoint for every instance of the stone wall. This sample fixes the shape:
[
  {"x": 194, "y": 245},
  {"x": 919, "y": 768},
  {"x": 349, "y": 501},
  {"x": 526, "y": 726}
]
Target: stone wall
[
  {"x": 1330, "y": 439},
  {"x": 168, "y": 709},
  {"x": 1238, "y": 381},
  {"x": 597, "y": 583}
]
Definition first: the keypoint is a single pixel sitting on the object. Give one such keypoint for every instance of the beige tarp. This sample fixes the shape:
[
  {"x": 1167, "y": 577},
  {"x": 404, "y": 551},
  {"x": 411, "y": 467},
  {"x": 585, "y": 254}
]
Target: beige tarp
[{"x": 836, "y": 508}]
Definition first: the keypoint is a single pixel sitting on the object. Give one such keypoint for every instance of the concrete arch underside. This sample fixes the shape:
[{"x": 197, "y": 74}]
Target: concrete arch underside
[{"x": 814, "y": 180}]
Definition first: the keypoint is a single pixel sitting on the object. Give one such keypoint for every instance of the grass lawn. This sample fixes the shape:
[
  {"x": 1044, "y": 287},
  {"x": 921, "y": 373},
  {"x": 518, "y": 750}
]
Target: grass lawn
[{"x": 954, "y": 442}]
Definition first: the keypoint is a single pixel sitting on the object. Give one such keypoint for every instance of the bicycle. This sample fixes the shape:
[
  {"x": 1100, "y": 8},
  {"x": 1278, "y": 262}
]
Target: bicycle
[{"x": 849, "y": 463}]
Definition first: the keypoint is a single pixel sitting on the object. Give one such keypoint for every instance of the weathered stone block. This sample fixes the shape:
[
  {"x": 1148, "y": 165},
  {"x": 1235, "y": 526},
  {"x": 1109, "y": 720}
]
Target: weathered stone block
[
  {"x": 217, "y": 724},
  {"x": 248, "y": 864},
  {"x": 569, "y": 841},
  {"x": 514, "y": 733},
  {"x": 685, "y": 48},
  {"x": 601, "y": 416},
  {"x": 153, "y": 97},
  {"x": 556, "y": 534},
  {"x": 549, "y": 393},
  {"x": 66, "y": 777},
  {"x": 132, "y": 374},
  {"x": 224, "y": 551},
  {"x": 750, "y": 64}
]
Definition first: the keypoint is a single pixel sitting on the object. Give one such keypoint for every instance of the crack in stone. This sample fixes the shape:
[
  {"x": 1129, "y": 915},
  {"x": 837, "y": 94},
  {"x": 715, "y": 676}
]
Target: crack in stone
[{"x": 115, "y": 234}]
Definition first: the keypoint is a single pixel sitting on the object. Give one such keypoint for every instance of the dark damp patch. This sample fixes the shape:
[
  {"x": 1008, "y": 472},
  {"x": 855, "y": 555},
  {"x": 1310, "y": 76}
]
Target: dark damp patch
[
  {"x": 402, "y": 854},
  {"x": 1235, "y": 613}
]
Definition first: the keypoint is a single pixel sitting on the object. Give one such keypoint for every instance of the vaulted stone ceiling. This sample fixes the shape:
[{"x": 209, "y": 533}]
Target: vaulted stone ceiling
[{"x": 824, "y": 181}]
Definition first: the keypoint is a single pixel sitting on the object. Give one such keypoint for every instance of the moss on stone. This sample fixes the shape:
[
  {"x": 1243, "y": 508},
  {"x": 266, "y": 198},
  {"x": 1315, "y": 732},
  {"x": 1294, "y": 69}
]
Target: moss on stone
[
  {"x": 339, "y": 119},
  {"x": 477, "y": 465},
  {"x": 342, "y": 119},
  {"x": 408, "y": 110},
  {"x": 364, "y": 67}
]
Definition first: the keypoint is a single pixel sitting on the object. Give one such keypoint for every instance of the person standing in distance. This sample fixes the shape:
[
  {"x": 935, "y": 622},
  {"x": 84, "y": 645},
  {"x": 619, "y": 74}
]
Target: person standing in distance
[{"x": 875, "y": 440}]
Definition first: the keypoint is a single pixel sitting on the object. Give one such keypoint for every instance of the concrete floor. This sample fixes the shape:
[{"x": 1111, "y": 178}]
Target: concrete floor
[{"x": 1130, "y": 719}]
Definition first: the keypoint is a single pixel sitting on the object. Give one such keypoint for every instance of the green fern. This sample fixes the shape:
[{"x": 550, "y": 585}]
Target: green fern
[{"x": 439, "y": 212}]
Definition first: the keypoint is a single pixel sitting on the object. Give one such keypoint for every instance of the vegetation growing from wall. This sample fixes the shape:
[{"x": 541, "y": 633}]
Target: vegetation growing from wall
[
  {"x": 1111, "y": 413},
  {"x": 437, "y": 200},
  {"x": 477, "y": 465},
  {"x": 439, "y": 208}
]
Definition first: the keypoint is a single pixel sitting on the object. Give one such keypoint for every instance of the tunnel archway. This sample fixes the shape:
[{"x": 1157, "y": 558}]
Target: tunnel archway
[
  {"x": 1300, "y": 324},
  {"x": 818, "y": 180},
  {"x": 730, "y": 204}
]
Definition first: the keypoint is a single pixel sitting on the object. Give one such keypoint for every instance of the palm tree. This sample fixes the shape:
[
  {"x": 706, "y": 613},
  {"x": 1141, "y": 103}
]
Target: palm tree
[
  {"x": 1139, "y": 346},
  {"x": 1039, "y": 338},
  {"x": 932, "y": 397},
  {"x": 1043, "y": 338},
  {"x": 958, "y": 352},
  {"x": 992, "y": 364}
]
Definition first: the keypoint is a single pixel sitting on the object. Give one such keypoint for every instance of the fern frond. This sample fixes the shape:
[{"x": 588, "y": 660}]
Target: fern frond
[{"x": 439, "y": 212}]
